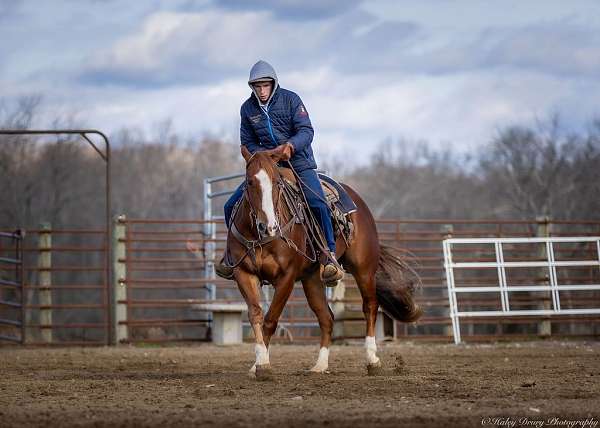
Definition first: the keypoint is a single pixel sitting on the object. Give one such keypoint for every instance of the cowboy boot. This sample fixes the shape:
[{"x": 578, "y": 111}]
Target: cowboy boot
[
  {"x": 332, "y": 271},
  {"x": 223, "y": 270}
]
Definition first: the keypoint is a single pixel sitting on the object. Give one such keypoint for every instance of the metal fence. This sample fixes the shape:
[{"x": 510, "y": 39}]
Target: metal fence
[
  {"x": 185, "y": 281},
  {"x": 563, "y": 293},
  {"x": 12, "y": 301},
  {"x": 159, "y": 272},
  {"x": 65, "y": 287},
  {"x": 66, "y": 273}
]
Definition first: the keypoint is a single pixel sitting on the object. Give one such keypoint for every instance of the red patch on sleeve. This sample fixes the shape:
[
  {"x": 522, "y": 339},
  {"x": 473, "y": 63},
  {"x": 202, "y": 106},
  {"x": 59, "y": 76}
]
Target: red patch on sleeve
[{"x": 302, "y": 111}]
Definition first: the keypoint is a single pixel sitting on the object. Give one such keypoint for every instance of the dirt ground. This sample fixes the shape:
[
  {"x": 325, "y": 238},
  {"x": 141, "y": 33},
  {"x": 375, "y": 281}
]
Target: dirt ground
[{"x": 527, "y": 384}]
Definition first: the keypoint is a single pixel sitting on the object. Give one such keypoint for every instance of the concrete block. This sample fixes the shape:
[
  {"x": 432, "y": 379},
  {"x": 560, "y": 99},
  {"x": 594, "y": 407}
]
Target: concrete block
[{"x": 227, "y": 321}]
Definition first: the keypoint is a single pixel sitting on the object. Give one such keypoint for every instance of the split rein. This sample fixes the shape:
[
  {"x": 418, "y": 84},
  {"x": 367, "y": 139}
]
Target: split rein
[{"x": 298, "y": 216}]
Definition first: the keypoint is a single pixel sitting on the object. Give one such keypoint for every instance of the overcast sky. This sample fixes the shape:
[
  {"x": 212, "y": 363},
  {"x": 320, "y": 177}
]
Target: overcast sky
[{"x": 448, "y": 71}]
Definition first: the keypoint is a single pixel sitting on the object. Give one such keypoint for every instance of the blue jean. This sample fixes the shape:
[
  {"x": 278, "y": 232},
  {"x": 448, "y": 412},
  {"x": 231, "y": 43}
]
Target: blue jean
[{"x": 314, "y": 196}]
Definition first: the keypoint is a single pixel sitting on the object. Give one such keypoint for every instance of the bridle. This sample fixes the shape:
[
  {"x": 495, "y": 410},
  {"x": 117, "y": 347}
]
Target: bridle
[{"x": 262, "y": 239}]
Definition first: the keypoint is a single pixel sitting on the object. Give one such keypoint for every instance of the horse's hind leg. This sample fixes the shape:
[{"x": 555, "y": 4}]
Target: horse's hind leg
[
  {"x": 315, "y": 294},
  {"x": 362, "y": 259},
  {"x": 249, "y": 287},
  {"x": 366, "y": 285}
]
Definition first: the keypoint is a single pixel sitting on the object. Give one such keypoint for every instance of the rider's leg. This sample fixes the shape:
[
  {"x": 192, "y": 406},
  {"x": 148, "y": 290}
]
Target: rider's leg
[
  {"x": 228, "y": 208},
  {"x": 318, "y": 205},
  {"x": 221, "y": 268},
  {"x": 332, "y": 271}
]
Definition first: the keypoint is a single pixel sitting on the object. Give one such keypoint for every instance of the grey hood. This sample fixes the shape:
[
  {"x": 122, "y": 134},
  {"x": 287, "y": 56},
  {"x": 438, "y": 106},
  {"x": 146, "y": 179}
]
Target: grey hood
[{"x": 262, "y": 70}]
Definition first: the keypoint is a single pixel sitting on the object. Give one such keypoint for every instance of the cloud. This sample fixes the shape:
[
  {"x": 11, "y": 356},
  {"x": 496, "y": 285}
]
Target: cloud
[
  {"x": 179, "y": 48},
  {"x": 364, "y": 76},
  {"x": 555, "y": 48},
  {"x": 8, "y": 9},
  {"x": 182, "y": 48},
  {"x": 175, "y": 48},
  {"x": 294, "y": 9}
]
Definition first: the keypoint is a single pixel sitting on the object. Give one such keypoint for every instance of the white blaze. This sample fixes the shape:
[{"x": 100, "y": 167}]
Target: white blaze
[{"x": 266, "y": 188}]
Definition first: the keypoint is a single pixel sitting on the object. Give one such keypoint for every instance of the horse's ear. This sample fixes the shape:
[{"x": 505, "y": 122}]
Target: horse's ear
[{"x": 245, "y": 153}]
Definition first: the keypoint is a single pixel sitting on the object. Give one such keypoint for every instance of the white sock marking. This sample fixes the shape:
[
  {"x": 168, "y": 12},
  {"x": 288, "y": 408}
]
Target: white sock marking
[
  {"x": 371, "y": 347},
  {"x": 322, "y": 362},
  {"x": 266, "y": 188},
  {"x": 262, "y": 354}
]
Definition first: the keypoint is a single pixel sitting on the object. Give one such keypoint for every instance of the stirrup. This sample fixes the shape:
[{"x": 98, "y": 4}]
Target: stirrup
[
  {"x": 224, "y": 271},
  {"x": 332, "y": 273}
]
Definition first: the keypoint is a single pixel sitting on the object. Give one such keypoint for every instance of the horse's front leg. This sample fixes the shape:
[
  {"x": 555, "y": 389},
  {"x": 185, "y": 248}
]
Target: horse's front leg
[
  {"x": 248, "y": 285},
  {"x": 283, "y": 288}
]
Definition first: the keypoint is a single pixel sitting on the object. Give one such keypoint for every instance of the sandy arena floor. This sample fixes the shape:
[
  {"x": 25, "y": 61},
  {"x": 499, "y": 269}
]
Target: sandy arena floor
[{"x": 203, "y": 385}]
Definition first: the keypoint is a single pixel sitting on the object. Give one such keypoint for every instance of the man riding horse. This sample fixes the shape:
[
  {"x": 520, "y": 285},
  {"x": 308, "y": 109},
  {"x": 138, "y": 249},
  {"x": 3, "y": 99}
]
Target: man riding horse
[{"x": 274, "y": 118}]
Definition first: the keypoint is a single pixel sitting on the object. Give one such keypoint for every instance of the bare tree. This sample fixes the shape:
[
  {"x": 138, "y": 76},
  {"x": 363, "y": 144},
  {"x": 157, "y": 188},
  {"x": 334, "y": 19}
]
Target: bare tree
[{"x": 541, "y": 171}]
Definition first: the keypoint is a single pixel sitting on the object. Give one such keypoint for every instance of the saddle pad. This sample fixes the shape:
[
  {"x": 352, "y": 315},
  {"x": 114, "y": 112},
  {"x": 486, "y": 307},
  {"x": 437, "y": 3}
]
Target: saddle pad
[
  {"x": 344, "y": 203},
  {"x": 333, "y": 190}
]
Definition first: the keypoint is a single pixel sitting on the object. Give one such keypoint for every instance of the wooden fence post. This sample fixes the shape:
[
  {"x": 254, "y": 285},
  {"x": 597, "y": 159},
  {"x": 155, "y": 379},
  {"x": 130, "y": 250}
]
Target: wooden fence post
[
  {"x": 120, "y": 275},
  {"x": 544, "y": 230},
  {"x": 45, "y": 280}
]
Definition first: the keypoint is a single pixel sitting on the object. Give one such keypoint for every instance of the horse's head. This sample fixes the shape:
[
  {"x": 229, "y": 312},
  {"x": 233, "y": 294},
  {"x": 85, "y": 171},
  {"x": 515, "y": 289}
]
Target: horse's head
[{"x": 262, "y": 178}]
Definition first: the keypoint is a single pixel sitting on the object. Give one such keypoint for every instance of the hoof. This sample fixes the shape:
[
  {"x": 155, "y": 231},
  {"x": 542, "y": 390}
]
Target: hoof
[
  {"x": 317, "y": 371},
  {"x": 264, "y": 372},
  {"x": 375, "y": 369}
]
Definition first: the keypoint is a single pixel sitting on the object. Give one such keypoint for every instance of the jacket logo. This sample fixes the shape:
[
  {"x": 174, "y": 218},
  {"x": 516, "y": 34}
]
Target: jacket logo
[
  {"x": 302, "y": 111},
  {"x": 256, "y": 118}
]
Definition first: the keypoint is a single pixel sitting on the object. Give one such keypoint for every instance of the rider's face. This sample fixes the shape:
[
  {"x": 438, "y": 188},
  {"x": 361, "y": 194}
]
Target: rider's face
[{"x": 263, "y": 90}]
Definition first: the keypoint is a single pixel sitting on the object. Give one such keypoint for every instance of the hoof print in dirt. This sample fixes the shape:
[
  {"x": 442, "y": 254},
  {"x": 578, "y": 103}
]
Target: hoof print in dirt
[
  {"x": 400, "y": 367},
  {"x": 316, "y": 373},
  {"x": 264, "y": 372},
  {"x": 375, "y": 369}
]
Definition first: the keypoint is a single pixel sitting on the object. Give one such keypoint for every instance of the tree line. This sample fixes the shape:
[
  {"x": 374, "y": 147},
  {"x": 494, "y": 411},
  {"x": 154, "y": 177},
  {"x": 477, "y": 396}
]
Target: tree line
[{"x": 523, "y": 172}]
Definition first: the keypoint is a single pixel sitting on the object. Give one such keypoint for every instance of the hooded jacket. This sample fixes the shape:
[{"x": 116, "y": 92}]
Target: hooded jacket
[{"x": 282, "y": 119}]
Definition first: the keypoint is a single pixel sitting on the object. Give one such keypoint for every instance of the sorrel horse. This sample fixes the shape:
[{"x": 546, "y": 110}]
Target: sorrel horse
[{"x": 264, "y": 224}]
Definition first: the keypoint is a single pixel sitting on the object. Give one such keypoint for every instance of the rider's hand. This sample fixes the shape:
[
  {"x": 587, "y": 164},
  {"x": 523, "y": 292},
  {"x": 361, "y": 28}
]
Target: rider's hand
[{"x": 287, "y": 151}]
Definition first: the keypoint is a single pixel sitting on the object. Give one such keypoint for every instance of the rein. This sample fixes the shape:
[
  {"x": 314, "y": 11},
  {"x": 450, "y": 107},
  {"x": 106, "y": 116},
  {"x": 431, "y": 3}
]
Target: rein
[{"x": 297, "y": 217}]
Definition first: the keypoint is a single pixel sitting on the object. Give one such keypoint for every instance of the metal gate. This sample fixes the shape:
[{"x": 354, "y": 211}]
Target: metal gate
[
  {"x": 511, "y": 254},
  {"x": 69, "y": 243},
  {"x": 212, "y": 222},
  {"x": 12, "y": 298}
]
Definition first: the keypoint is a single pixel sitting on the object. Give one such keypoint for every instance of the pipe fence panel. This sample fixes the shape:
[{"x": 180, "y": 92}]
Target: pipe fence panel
[
  {"x": 12, "y": 301},
  {"x": 570, "y": 295},
  {"x": 65, "y": 287},
  {"x": 161, "y": 268},
  {"x": 66, "y": 274},
  {"x": 159, "y": 274}
]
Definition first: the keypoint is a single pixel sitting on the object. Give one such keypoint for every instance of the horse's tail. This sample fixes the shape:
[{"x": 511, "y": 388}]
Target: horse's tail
[{"x": 396, "y": 282}]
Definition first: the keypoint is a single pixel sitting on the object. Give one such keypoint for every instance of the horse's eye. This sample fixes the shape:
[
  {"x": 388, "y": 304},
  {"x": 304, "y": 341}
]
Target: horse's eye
[{"x": 250, "y": 182}]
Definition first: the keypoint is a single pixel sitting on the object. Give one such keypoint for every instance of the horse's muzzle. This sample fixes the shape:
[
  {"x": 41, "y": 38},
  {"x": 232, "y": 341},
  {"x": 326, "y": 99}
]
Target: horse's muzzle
[{"x": 265, "y": 230}]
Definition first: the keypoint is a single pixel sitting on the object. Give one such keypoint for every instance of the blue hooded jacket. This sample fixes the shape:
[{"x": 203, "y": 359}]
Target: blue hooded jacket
[{"x": 282, "y": 119}]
